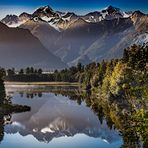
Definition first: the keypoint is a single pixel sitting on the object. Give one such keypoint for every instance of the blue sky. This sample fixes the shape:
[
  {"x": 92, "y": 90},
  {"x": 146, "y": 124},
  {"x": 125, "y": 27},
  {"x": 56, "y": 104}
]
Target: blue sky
[{"x": 77, "y": 6}]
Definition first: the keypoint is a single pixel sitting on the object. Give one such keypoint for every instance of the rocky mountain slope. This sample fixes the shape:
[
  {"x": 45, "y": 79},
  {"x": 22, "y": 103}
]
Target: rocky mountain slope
[
  {"x": 92, "y": 37},
  {"x": 19, "y": 48}
]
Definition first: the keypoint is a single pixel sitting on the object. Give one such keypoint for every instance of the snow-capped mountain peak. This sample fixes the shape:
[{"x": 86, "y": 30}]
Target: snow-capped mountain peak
[
  {"x": 112, "y": 9},
  {"x": 62, "y": 20},
  {"x": 45, "y": 11},
  {"x": 12, "y": 21},
  {"x": 9, "y": 19},
  {"x": 108, "y": 13},
  {"x": 113, "y": 13}
]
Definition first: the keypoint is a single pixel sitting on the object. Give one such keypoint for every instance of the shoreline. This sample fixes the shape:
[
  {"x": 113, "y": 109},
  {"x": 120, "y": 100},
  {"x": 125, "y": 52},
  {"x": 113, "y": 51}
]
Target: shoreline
[{"x": 42, "y": 83}]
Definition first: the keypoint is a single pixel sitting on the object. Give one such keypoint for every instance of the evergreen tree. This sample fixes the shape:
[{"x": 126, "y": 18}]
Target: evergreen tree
[
  {"x": 10, "y": 72},
  {"x": 2, "y": 72},
  {"x": 31, "y": 70},
  {"x": 21, "y": 72},
  {"x": 79, "y": 66},
  {"x": 125, "y": 55},
  {"x": 40, "y": 71},
  {"x": 27, "y": 70}
]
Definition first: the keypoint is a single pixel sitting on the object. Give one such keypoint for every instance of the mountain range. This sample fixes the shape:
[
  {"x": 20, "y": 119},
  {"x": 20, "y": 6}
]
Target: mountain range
[{"x": 72, "y": 38}]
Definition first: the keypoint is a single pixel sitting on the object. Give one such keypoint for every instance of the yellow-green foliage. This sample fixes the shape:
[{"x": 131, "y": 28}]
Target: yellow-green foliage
[
  {"x": 145, "y": 93},
  {"x": 116, "y": 119},
  {"x": 116, "y": 77},
  {"x": 141, "y": 127},
  {"x": 111, "y": 82}
]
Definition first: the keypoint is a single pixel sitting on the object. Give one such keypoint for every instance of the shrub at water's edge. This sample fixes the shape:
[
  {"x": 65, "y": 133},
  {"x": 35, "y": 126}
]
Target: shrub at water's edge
[{"x": 6, "y": 107}]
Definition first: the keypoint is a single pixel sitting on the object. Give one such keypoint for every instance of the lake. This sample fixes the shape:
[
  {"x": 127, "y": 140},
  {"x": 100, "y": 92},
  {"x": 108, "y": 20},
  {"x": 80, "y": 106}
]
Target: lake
[{"x": 55, "y": 120}]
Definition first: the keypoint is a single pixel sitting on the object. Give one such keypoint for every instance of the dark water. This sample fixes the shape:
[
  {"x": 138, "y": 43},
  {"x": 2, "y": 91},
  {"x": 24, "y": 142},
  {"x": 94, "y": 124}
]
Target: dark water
[{"x": 55, "y": 121}]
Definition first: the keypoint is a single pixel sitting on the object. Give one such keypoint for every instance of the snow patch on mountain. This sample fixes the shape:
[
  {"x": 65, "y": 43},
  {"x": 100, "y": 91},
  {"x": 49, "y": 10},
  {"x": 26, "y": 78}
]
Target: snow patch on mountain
[
  {"x": 104, "y": 14},
  {"x": 126, "y": 15},
  {"x": 47, "y": 19},
  {"x": 52, "y": 24},
  {"x": 67, "y": 19},
  {"x": 14, "y": 24}
]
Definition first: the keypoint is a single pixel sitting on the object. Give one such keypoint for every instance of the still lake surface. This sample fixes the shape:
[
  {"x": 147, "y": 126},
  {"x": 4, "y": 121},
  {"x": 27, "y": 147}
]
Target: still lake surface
[{"x": 55, "y": 121}]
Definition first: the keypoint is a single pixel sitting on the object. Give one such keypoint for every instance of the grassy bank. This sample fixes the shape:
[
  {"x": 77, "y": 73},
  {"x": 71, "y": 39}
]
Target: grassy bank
[{"x": 41, "y": 83}]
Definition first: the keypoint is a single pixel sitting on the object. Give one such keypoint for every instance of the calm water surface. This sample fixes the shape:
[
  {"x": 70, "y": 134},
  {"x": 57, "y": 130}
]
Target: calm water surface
[{"x": 55, "y": 121}]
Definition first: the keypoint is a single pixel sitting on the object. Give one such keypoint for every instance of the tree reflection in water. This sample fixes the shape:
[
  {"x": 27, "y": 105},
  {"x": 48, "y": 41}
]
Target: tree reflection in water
[
  {"x": 117, "y": 113},
  {"x": 2, "y": 98},
  {"x": 6, "y": 109},
  {"x": 1, "y": 127}
]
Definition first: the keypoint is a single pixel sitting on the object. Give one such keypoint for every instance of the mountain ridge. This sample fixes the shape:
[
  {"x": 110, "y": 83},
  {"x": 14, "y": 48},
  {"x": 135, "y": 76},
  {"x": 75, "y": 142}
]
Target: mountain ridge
[
  {"x": 46, "y": 11},
  {"x": 19, "y": 48},
  {"x": 95, "y": 36}
]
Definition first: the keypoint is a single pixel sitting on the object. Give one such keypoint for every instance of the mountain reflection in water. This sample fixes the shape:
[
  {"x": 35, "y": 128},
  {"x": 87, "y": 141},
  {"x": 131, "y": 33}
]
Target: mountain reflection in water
[{"x": 54, "y": 115}]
